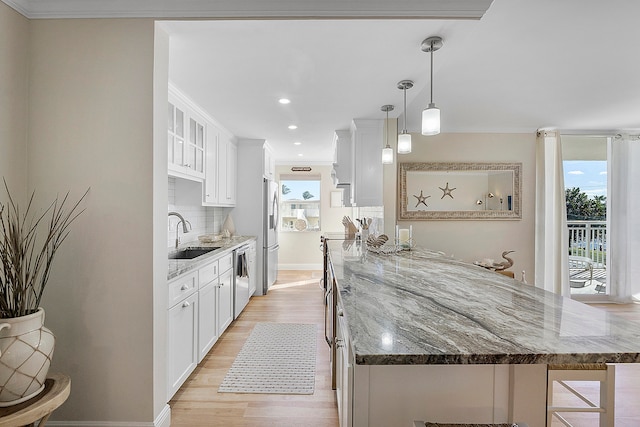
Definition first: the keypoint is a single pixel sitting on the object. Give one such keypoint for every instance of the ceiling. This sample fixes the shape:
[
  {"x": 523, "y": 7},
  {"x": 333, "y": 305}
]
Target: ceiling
[{"x": 527, "y": 64}]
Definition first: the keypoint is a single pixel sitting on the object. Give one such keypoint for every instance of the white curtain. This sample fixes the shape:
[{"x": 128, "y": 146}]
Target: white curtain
[
  {"x": 623, "y": 245},
  {"x": 551, "y": 234}
]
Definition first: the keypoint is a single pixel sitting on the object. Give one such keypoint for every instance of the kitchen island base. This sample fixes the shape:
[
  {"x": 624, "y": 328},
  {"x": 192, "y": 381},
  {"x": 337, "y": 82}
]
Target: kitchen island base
[{"x": 396, "y": 395}]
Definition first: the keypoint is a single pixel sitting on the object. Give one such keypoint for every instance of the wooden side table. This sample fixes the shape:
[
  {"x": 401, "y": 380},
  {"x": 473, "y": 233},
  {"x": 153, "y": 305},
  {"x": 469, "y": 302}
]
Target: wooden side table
[{"x": 56, "y": 391}]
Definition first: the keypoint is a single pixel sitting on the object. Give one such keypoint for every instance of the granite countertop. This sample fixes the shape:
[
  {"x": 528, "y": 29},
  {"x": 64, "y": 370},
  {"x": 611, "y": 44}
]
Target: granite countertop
[
  {"x": 181, "y": 266},
  {"x": 420, "y": 307}
]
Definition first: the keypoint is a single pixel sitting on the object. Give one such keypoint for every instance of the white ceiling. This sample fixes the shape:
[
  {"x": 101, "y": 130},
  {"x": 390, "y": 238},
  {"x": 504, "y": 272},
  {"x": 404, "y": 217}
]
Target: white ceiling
[{"x": 527, "y": 64}]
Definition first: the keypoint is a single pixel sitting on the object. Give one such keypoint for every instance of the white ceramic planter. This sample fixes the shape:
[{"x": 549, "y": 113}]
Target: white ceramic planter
[{"x": 26, "y": 349}]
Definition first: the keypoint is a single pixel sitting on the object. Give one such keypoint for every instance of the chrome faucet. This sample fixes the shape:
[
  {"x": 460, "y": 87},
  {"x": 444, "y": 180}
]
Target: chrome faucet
[{"x": 184, "y": 226}]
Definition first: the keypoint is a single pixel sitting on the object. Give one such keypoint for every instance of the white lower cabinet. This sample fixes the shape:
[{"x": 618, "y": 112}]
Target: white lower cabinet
[
  {"x": 225, "y": 300},
  {"x": 182, "y": 341},
  {"x": 200, "y": 310},
  {"x": 344, "y": 373},
  {"x": 207, "y": 322}
]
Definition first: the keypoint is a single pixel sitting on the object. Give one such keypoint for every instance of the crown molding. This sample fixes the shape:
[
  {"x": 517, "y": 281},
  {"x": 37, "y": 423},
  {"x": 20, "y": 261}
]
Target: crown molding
[{"x": 272, "y": 9}]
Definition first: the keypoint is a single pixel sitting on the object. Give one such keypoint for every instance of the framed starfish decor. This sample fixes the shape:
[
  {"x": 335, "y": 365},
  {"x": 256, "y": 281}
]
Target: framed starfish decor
[{"x": 459, "y": 190}]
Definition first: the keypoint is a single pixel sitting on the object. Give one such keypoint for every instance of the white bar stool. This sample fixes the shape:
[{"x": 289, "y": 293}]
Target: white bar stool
[
  {"x": 428, "y": 424},
  {"x": 601, "y": 372}
]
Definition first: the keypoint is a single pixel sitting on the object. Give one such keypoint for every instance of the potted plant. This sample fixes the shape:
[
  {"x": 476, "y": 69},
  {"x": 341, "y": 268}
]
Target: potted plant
[{"x": 28, "y": 244}]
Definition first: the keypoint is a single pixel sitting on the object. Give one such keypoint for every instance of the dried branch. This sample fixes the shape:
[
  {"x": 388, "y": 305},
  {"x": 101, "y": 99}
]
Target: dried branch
[{"x": 25, "y": 259}]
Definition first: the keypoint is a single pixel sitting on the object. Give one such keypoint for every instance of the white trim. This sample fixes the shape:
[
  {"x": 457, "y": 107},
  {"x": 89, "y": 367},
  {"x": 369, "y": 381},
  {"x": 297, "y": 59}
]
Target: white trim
[
  {"x": 409, "y": 9},
  {"x": 300, "y": 267},
  {"x": 162, "y": 420}
]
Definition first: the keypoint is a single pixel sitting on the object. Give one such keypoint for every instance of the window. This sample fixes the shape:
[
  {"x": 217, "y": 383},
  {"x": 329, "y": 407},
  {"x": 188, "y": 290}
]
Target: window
[
  {"x": 585, "y": 182},
  {"x": 299, "y": 203}
]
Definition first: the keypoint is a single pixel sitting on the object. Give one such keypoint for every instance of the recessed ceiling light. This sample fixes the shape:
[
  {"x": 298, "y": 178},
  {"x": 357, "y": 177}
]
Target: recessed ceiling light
[
  {"x": 297, "y": 143},
  {"x": 292, "y": 127},
  {"x": 300, "y": 155},
  {"x": 284, "y": 101}
]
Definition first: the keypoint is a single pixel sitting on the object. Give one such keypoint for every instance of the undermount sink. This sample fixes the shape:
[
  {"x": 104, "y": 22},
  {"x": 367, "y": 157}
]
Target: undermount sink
[{"x": 191, "y": 253}]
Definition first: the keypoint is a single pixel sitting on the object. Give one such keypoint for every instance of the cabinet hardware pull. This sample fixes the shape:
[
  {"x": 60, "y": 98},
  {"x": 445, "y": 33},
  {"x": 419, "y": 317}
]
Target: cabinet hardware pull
[
  {"x": 340, "y": 313},
  {"x": 184, "y": 288},
  {"x": 185, "y": 304}
]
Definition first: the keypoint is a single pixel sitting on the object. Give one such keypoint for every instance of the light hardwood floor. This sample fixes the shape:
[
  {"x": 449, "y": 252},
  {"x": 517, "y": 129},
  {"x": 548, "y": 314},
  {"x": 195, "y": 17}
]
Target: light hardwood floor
[{"x": 297, "y": 298}]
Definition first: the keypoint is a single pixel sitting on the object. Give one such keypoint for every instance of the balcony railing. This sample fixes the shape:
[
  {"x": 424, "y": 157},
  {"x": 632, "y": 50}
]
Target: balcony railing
[{"x": 589, "y": 239}]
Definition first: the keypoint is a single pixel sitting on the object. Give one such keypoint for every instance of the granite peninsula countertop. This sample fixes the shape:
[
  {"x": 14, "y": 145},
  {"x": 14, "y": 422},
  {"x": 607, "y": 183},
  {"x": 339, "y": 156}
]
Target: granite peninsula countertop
[
  {"x": 181, "y": 266},
  {"x": 420, "y": 307}
]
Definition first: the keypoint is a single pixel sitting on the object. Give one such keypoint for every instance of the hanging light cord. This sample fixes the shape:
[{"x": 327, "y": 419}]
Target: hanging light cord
[
  {"x": 404, "y": 89},
  {"x": 431, "y": 72}
]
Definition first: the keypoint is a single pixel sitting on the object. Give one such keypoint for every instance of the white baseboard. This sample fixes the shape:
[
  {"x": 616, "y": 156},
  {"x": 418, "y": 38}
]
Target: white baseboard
[
  {"x": 300, "y": 267},
  {"x": 162, "y": 420}
]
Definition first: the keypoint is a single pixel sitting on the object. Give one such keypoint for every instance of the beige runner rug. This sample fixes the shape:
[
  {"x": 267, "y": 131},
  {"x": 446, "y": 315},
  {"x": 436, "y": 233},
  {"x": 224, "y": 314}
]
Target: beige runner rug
[{"x": 277, "y": 358}]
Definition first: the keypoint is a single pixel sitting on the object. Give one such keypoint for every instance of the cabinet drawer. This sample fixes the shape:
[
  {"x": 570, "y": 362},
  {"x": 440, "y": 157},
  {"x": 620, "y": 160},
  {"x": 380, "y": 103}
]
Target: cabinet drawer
[
  {"x": 182, "y": 287},
  {"x": 208, "y": 273},
  {"x": 226, "y": 262}
]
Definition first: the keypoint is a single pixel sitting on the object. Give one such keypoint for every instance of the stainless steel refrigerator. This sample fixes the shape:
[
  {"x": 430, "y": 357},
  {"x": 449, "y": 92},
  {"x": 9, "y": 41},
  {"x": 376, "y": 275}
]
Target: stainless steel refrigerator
[
  {"x": 256, "y": 211},
  {"x": 270, "y": 220}
]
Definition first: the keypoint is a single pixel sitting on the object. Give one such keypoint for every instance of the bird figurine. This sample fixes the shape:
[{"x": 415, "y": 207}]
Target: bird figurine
[{"x": 498, "y": 266}]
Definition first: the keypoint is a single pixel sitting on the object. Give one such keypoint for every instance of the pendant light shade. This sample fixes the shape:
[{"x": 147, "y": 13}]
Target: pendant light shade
[
  {"x": 387, "y": 151},
  {"x": 431, "y": 120},
  {"x": 404, "y": 143},
  {"x": 431, "y": 115},
  {"x": 387, "y": 155},
  {"x": 404, "y": 139}
]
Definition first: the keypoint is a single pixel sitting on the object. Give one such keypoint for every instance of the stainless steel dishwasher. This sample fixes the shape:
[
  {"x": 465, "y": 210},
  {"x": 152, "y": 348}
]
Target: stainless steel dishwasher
[{"x": 245, "y": 276}]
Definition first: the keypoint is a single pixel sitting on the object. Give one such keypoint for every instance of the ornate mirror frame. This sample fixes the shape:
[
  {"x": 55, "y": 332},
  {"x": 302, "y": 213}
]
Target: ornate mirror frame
[{"x": 412, "y": 177}]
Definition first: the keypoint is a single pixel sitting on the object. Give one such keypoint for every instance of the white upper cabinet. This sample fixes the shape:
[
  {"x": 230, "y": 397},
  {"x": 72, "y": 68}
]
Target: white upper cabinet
[
  {"x": 200, "y": 150},
  {"x": 269, "y": 169},
  {"x": 366, "y": 182},
  {"x": 342, "y": 160},
  {"x": 211, "y": 188},
  {"x": 186, "y": 140},
  {"x": 227, "y": 174}
]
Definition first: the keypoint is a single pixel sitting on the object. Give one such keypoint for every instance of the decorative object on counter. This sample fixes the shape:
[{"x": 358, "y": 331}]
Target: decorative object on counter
[
  {"x": 404, "y": 237},
  {"x": 387, "y": 151},
  {"x": 378, "y": 241},
  {"x": 380, "y": 245},
  {"x": 210, "y": 238},
  {"x": 26, "y": 345},
  {"x": 446, "y": 191},
  {"x": 229, "y": 226},
  {"x": 421, "y": 199},
  {"x": 489, "y": 264},
  {"x": 350, "y": 228},
  {"x": 300, "y": 224}
]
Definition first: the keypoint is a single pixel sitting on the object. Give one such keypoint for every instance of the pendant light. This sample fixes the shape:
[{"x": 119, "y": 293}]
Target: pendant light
[
  {"x": 431, "y": 115},
  {"x": 387, "y": 151},
  {"x": 404, "y": 139}
]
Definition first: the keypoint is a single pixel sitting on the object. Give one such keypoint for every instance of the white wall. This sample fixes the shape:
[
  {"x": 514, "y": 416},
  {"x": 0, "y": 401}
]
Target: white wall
[
  {"x": 14, "y": 43},
  {"x": 301, "y": 250},
  {"x": 474, "y": 240},
  {"x": 91, "y": 125}
]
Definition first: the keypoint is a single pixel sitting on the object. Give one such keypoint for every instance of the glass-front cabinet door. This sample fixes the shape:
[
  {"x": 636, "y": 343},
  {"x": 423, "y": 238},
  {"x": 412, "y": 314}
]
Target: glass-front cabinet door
[
  {"x": 186, "y": 140},
  {"x": 195, "y": 147},
  {"x": 176, "y": 135}
]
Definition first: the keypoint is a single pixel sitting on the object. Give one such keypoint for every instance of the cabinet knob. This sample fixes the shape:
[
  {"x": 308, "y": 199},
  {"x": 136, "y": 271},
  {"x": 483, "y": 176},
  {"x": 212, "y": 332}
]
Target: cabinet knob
[
  {"x": 184, "y": 288},
  {"x": 340, "y": 313},
  {"x": 185, "y": 304}
]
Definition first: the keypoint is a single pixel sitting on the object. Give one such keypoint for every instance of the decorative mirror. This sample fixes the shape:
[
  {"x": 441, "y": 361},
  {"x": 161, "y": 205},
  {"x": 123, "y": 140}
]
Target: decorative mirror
[{"x": 459, "y": 191}]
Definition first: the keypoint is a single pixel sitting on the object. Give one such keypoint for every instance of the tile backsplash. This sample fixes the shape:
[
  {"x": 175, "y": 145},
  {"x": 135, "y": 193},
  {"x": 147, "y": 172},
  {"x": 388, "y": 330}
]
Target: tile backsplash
[{"x": 203, "y": 219}]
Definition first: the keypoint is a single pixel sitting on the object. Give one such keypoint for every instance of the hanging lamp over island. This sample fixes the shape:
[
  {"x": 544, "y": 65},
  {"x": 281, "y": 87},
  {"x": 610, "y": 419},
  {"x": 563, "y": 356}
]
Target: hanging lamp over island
[
  {"x": 404, "y": 138},
  {"x": 387, "y": 151},
  {"x": 431, "y": 114}
]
